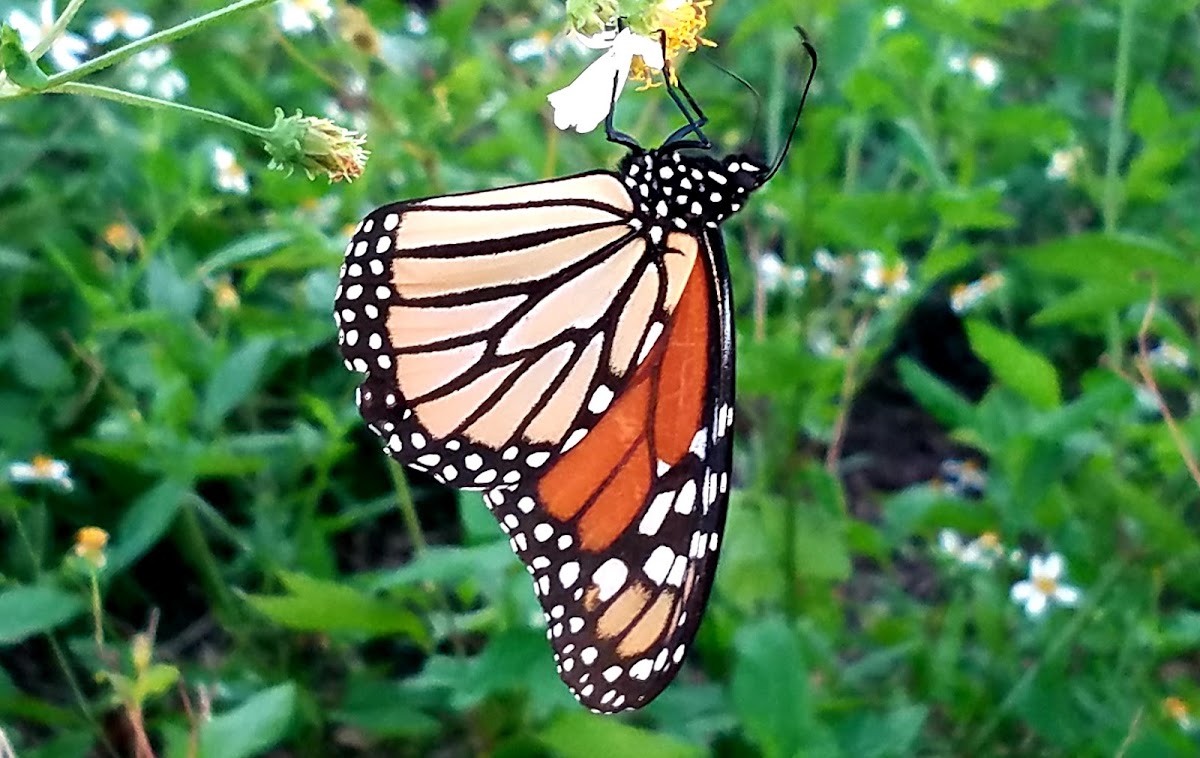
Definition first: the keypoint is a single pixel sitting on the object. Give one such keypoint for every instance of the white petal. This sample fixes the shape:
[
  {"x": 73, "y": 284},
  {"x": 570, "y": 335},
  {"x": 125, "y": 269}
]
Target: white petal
[
  {"x": 584, "y": 103},
  {"x": 30, "y": 30},
  {"x": 137, "y": 26},
  {"x": 949, "y": 541},
  {"x": 650, "y": 50},
  {"x": 1021, "y": 592},
  {"x": 1036, "y": 605},
  {"x": 1067, "y": 595},
  {"x": 1053, "y": 566},
  {"x": 1037, "y": 567},
  {"x": 104, "y": 30},
  {"x": 599, "y": 41}
]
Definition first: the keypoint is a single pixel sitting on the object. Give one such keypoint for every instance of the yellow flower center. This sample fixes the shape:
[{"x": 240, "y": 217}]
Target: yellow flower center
[
  {"x": 681, "y": 21},
  {"x": 119, "y": 235},
  {"x": 119, "y": 17},
  {"x": 893, "y": 275},
  {"x": 990, "y": 540},
  {"x": 91, "y": 539},
  {"x": 1176, "y": 708},
  {"x": 43, "y": 466},
  {"x": 226, "y": 296},
  {"x": 1046, "y": 585}
]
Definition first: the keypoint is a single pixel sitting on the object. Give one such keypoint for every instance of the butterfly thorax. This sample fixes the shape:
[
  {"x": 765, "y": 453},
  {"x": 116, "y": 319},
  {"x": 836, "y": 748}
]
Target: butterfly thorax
[{"x": 673, "y": 191}]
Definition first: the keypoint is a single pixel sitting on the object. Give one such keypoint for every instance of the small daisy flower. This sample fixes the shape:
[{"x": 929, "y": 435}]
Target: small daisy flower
[
  {"x": 1167, "y": 354},
  {"x": 1064, "y": 163},
  {"x": 962, "y": 478},
  {"x": 66, "y": 52},
  {"x": 1179, "y": 712},
  {"x": 301, "y": 16},
  {"x": 893, "y": 17},
  {"x": 153, "y": 73},
  {"x": 833, "y": 265},
  {"x": 90, "y": 542},
  {"x": 880, "y": 277},
  {"x": 681, "y": 21},
  {"x": 981, "y": 552},
  {"x": 985, "y": 69},
  {"x": 1045, "y": 586},
  {"x": 231, "y": 177},
  {"x": 42, "y": 470},
  {"x": 120, "y": 236},
  {"x": 527, "y": 49},
  {"x": 770, "y": 271},
  {"x": 965, "y": 296},
  {"x": 584, "y": 103},
  {"x": 120, "y": 21}
]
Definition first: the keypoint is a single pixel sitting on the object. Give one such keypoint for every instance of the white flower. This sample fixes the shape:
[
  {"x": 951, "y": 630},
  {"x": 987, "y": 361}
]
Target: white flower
[
  {"x": 893, "y": 17},
  {"x": 120, "y": 21},
  {"x": 42, "y": 470},
  {"x": 981, "y": 552},
  {"x": 152, "y": 73},
  {"x": 822, "y": 343},
  {"x": 892, "y": 280},
  {"x": 834, "y": 265},
  {"x": 964, "y": 297},
  {"x": 585, "y": 103},
  {"x": 985, "y": 69},
  {"x": 66, "y": 51},
  {"x": 770, "y": 270},
  {"x": 297, "y": 16},
  {"x": 1064, "y": 162},
  {"x": 1170, "y": 355},
  {"x": 231, "y": 177},
  {"x": 1044, "y": 586}
]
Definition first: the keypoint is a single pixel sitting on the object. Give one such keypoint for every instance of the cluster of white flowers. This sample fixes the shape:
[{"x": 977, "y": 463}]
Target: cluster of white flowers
[
  {"x": 774, "y": 274},
  {"x": 152, "y": 72}
]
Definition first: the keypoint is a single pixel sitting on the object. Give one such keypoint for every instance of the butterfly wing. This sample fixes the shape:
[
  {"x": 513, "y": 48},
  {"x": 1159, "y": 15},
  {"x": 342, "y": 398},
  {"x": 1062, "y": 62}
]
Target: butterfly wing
[
  {"x": 532, "y": 341},
  {"x": 622, "y": 532}
]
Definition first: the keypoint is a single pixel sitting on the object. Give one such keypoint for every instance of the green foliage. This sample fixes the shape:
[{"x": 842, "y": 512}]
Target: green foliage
[{"x": 938, "y": 303}]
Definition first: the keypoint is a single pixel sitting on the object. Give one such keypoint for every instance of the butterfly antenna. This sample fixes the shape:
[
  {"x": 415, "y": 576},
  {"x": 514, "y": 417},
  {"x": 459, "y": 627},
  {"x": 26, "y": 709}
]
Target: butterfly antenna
[
  {"x": 758, "y": 101},
  {"x": 812, "y": 55}
]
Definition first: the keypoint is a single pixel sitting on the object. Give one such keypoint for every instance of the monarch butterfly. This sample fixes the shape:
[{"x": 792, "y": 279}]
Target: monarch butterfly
[{"x": 566, "y": 346}]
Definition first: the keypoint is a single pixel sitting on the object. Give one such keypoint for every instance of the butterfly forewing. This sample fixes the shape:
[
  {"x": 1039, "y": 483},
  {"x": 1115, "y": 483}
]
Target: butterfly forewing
[{"x": 566, "y": 346}]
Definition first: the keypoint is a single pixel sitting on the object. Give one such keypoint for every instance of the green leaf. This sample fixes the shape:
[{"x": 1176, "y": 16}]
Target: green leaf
[
  {"x": 319, "y": 606},
  {"x": 252, "y": 728},
  {"x": 17, "y": 63},
  {"x": 144, "y": 524},
  {"x": 934, "y": 395},
  {"x": 585, "y": 735},
  {"x": 1116, "y": 260},
  {"x": 35, "y": 361},
  {"x": 770, "y": 687},
  {"x": 234, "y": 380},
  {"x": 1082, "y": 307},
  {"x": 245, "y": 249},
  {"x": 1022, "y": 369},
  {"x": 26, "y": 611}
]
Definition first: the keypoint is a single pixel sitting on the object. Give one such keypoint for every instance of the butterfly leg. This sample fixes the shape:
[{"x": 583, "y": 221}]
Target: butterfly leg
[
  {"x": 696, "y": 121},
  {"x": 620, "y": 138}
]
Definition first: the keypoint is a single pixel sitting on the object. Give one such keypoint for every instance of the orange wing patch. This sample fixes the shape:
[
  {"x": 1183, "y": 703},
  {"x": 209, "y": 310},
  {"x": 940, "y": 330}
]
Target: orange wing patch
[{"x": 609, "y": 474}]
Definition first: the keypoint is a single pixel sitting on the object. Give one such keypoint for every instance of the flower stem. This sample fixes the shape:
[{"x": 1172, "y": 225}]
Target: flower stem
[
  {"x": 1116, "y": 131},
  {"x": 144, "y": 101},
  {"x": 97, "y": 614},
  {"x": 160, "y": 38},
  {"x": 56, "y": 31}
]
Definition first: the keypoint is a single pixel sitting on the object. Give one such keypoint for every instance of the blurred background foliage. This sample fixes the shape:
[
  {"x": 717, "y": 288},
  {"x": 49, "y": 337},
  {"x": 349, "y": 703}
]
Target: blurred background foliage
[{"x": 940, "y": 300}]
